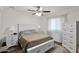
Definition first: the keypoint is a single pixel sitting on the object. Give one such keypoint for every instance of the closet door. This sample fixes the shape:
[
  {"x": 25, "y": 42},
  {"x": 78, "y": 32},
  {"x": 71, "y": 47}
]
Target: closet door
[
  {"x": 0, "y": 24},
  {"x": 77, "y": 41}
]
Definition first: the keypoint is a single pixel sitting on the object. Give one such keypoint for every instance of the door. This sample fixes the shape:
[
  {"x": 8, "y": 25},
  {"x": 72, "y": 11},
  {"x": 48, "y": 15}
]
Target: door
[{"x": 0, "y": 24}]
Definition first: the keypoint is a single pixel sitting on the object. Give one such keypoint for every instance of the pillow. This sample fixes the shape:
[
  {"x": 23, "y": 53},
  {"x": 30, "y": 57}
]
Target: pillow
[{"x": 28, "y": 32}]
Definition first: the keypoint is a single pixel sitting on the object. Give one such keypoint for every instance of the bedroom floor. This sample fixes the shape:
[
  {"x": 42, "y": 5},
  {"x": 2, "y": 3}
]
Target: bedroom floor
[{"x": 58, "y": 49}]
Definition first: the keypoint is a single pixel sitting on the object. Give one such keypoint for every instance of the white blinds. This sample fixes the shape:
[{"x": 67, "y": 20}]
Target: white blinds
[{"x": 54, "y": 24}]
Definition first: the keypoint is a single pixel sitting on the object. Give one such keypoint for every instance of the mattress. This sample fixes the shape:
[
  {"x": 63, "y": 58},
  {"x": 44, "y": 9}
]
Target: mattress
[{"x": 32, "y": 40}]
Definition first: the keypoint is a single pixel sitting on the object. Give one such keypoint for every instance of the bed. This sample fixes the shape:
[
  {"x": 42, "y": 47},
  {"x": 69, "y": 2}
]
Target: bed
[{"x": 34, "y": 41}]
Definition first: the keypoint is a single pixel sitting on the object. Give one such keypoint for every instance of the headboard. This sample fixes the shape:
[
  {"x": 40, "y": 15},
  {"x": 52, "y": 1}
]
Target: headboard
[{"x": 22, "y": 27}]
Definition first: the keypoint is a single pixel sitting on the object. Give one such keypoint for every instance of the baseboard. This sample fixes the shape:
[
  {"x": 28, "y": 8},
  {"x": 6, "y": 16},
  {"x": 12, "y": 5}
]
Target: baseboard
[{"x": 58, "y": 43}]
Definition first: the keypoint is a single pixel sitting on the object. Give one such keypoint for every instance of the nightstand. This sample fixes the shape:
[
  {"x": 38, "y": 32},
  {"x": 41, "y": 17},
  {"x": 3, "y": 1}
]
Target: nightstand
[{"x": 12, "y": 40}]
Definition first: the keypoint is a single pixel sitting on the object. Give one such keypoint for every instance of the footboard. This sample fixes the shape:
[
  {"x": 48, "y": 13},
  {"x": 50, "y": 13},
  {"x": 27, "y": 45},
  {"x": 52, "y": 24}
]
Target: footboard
[{"x": 41, "y": 48}]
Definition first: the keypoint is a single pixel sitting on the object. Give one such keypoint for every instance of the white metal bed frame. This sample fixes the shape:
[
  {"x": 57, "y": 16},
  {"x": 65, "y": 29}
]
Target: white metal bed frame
[{"x": 41, "y": 48}]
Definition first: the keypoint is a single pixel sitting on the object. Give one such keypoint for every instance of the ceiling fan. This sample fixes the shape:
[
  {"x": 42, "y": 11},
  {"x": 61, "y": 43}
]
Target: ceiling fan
[{"x": 39, "y": 11}]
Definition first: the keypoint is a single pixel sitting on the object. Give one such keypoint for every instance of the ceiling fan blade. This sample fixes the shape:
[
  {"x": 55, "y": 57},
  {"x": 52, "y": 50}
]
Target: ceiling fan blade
[
  {"x": 38, "y": 6},
  {"x": 11, "y": 7},
  {"x": 33, "y": 13},
  {"x": 40, "y": 9},
  {"x": 31, "y": 10},
  {"x": 46, "y": 11}
]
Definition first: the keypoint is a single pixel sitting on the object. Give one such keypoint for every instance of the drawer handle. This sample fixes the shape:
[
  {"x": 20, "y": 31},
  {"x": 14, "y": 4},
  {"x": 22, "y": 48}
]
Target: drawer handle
[
  {"x": 49, "y": 45},
  {"x": 64, "y": 30},
  {"x": 70, "y": 48},
  {"x": 70, "y": 36},
  {"x": 71, "y": 31},
  {"x": 64, "y": 39},
  {"x": 38, "y": 51},
  {"x": 71, "y": 42}
]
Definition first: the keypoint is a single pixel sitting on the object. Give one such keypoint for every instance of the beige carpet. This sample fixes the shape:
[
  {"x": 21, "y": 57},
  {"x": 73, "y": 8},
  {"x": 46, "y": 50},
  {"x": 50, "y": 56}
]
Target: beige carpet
[{"x": 58, "y": 49}]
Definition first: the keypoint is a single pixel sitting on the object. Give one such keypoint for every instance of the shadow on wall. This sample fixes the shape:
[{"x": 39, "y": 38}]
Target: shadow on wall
[
  {"x": 57, "y": 36},
  {"x": 3, "y": 41}
]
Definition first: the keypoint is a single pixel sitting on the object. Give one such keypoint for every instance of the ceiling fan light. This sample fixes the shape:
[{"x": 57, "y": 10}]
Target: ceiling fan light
[{"x": 39, "y": 14}]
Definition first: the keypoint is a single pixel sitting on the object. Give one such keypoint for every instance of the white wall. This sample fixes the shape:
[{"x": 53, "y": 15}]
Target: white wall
[
  {"x": 44, "y": 24},
  {"x": 0, "y": 23},
  {"x": 73, "y": 17},
  {"x": 12, "y": 17}
]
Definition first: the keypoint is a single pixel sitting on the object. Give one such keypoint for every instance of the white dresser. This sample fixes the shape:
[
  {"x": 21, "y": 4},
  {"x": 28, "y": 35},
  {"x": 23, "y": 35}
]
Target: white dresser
[
  {"x": 69, "y": 36},
  {"x": 12, "y": 40}
]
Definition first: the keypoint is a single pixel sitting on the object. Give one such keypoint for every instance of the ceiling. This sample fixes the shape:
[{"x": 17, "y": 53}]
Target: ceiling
[
  {"x": 56, "y": 10},
  {"x": 52, "y": 8}
]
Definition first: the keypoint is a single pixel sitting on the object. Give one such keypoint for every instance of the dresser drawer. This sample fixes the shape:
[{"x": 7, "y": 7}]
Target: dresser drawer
[
  {"x": 65, "y": 42},
  {"x": 71, "y": 48}
]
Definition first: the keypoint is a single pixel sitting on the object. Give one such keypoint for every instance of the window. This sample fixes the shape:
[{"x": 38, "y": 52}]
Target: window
[{"x": 54, "y": 24}]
